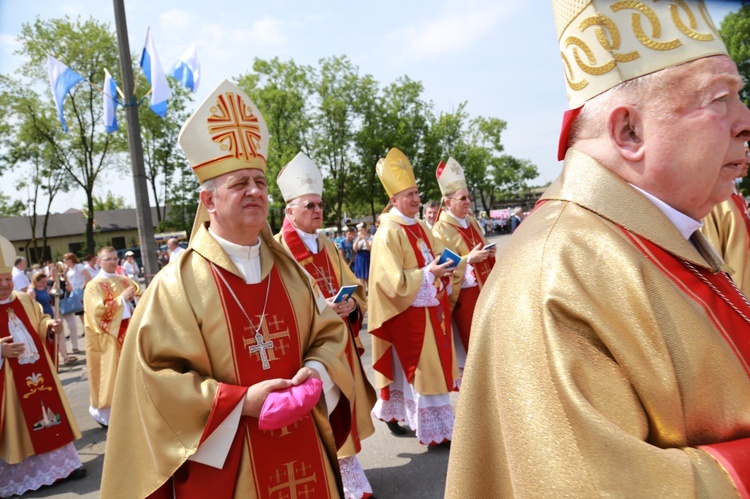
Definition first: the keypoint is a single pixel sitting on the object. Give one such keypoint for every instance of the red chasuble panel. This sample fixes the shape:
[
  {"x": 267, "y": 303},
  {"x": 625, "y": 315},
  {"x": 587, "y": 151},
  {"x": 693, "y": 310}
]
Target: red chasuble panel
[
  {"x": 482, "y": 269},
  {"x": 406, "y": 330},
  {"x": 42, "y": 407},
  {"x": 289, "y": 462}
]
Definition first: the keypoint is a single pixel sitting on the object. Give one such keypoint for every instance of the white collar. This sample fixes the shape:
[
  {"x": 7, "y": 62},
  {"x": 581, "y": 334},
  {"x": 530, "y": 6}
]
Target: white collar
[
  {"x": 237, "y": 250},
  {"x": 461, "y": 221},
  {"x": 684, "y": 223},
  {"x": 105, "y": 275},
  {"x": 10, "y": 299},
  {"x": 410, "y": 221},
  {"x": 310, "y": 240},
  {"x": 245, "y": 258}
]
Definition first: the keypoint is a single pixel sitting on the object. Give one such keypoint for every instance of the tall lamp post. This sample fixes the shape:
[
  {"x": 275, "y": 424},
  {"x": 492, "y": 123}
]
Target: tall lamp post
[{"x": 142, "y": 204}]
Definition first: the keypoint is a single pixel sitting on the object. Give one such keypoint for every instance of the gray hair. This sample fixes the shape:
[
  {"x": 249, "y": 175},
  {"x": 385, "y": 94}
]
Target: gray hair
[
  {"x": 646, "y": 91},
  {"x": 208, "y": 186}
]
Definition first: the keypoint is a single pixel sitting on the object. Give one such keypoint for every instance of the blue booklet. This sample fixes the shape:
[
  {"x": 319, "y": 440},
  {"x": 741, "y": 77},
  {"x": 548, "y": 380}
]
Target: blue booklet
[
  {"x": 344, "y": 293},
  {"x": 448, "y": 255}
]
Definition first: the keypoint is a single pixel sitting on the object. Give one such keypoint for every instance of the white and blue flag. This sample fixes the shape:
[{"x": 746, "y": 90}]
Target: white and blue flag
[
  {"x": 110, "y": 102},
  {"x": 151, "y": 66},
  {"x": 61, "y": 79},
  {"x": 187, "y": 70}
]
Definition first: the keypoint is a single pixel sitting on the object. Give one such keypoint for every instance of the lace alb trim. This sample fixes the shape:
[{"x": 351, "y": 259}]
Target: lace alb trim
[
  {"x": 37, "y": 471},
  {"x": 356, "y": 485},
  {"x": 427, "y": 296}
]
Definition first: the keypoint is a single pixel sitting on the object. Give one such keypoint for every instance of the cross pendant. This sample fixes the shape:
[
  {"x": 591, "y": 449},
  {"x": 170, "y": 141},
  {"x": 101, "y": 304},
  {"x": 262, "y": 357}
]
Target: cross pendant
[{"x": 260, "y": 347}]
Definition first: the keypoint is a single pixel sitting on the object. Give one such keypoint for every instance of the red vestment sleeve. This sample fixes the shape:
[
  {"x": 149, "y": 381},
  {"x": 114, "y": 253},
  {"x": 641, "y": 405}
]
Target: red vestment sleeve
[
  {"x": 734, "y": 456},
  {"x": 227, "y": 398}
]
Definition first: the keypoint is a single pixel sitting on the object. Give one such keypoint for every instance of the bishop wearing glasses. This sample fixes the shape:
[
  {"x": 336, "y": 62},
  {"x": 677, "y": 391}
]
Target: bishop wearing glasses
[{"x": 301, "y": 185}]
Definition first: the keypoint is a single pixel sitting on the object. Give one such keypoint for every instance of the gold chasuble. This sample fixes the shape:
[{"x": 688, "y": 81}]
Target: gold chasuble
[
  {"x": 105, "y": 333},
  {"x": 330, "y": 273},
  {"x": 623, "y": 368},
  {"x": 727, "y": 227},
  {"x": 190, "y": 355},
  {"x": 461, "y": 241},
  {"x": 421, "y": 335},
  {"x": 35, "y": 417}
]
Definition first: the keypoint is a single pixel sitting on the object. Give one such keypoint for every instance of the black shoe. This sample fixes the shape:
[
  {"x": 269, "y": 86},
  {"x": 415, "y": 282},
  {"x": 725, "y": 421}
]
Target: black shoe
[
  {"x": 396, "y": 429},
  {"x": 77, "y": 474},
  {"x": 106, "y": 427}
]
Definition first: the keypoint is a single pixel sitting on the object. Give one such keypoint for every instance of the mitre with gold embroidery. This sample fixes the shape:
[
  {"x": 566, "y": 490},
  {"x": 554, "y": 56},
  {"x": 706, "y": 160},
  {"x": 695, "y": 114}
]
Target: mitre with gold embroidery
[
  {"x": 606, "y": 42},
  {"x": 226, "y": 133},
  {"x": 450, "y": 177},
  {"x": 300, "y": 177},
  {"x": 7, "y": 256},
  {"x": 395, "y": 172}
]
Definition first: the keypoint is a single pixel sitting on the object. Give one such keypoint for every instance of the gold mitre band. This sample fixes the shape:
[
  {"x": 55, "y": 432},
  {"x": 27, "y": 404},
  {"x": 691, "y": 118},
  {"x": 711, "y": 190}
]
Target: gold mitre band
[
  {"x": 395, "y": 172},
  {"x": 604, "y": 43},
  {"x": 7, "y": 256},
  {"x": 450, "y": 177},
  {"x": 226, "y": 133}
]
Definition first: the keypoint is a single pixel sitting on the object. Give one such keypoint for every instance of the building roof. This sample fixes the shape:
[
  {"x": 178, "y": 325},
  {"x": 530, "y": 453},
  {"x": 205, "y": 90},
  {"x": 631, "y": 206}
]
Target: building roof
[{"x": 71, "y": 223}]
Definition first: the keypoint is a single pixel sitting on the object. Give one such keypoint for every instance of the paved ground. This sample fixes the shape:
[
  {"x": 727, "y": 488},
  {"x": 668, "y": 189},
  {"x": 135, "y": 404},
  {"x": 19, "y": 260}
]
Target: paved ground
[{"x": 397, "y": 467}]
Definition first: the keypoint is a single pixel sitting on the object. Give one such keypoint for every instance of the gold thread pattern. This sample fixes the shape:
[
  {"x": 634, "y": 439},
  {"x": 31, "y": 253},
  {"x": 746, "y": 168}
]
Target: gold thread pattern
[
  {"x": 687, "y": 31},
  {"x": 592, "y": 70},
  {"x": 569, "y": 74}
]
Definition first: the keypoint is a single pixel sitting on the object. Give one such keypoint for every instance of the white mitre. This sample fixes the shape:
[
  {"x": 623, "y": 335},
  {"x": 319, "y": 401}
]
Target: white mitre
[
  {"x": 300, "y": 177},
  {"x": 450, "y": 177}
]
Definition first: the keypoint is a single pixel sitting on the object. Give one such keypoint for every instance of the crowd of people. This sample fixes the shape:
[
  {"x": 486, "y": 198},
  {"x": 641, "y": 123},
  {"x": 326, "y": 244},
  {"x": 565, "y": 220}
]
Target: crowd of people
[{"x": 621, "y": 368}]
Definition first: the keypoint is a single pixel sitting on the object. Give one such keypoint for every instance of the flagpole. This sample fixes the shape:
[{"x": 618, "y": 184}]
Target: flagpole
[{"x": 142, "y": 204}]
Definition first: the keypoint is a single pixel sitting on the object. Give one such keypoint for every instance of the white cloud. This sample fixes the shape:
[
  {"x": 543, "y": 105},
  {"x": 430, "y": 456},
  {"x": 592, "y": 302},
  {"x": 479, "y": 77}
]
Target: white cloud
[
  {"x": 268, "y": 31},
  {"x": 458, "y": 27},
  {"x": 175, "y": 19}
]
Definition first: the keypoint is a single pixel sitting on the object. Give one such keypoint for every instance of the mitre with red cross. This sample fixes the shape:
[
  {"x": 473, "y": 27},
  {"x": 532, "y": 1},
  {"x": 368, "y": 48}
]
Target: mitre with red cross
[
  {"x": 226, "y": 133},
  {"x": 450, "y": 177},
  {"x": 300, "y": 177}
]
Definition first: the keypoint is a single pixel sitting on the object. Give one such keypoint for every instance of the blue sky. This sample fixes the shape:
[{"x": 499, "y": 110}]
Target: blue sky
[{"x": 501, "y": 56}]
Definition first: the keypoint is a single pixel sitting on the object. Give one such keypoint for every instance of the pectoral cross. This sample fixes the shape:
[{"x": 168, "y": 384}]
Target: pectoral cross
[{"x": 260, "y": 348}]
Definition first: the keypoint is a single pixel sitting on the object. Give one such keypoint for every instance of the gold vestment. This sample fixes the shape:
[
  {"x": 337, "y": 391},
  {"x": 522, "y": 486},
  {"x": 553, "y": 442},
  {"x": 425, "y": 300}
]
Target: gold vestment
[
  {"x": 590, "y": 373},
  {"x": 728, "y": 232},
  {"x": 176, "y": 353},
  {"x": 103, "y": 307}
]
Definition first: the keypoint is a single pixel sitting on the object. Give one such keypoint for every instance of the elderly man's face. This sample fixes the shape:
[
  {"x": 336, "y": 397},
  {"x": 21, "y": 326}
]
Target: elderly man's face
[
  {"x": 6, "y": 285},
  {"x": 694, "y": 158},
  {"x": 459, "y": 203},
  {"x": 306, "y": 213},
  {"x": 407, "y": 202},
  {"x": 239, "y": 206}
]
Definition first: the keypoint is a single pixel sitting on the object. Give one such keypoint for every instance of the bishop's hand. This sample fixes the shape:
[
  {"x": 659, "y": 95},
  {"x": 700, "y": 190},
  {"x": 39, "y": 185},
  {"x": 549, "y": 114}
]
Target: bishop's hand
[
  {"x": 256, "y": 395},
  {"x": 9, "y": 350}
]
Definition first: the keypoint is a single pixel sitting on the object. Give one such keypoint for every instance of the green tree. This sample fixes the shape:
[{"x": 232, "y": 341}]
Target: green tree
[
  {"x": 26, "y": 148},
  {"x": 735, "y": 31},
  {"x": 109, "y": 202},
  {"x": 87, "y": 47},
  {"x": 10, "y": 207},
  {"x": 182, "y": 201},
  {"x": 444, "y": 138},
  {"x": 395, "y": 117},
  {"x": 281, "y": 91}
]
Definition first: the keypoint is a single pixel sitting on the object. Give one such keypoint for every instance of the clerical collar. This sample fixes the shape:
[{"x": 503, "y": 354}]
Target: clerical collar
[
  {"x": 410, "y": 221},
  {"x": 8, "y": 300},
  {"x": 310, "y": 240},
  {"x": 245, "y": 258},
  {"x": 461, "y": 221},
  {"x": 684, "y": 223},
  {"x": 104, "y": 274}
]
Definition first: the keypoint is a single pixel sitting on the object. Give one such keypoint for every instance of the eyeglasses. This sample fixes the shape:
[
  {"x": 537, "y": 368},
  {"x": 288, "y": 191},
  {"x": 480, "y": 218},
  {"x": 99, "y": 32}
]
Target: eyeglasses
[
  {"x": 462, "y": 198},
  {"x": 311, "y": 206}
]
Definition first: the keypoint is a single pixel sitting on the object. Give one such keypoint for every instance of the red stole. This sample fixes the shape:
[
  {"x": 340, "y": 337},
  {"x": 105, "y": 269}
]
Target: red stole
[
  {"x": 742, "y": 206},
  {"x": 316, "y": 265},
  {"x": 406, "y": 330},
  {"x": 289, "y": 462},
  {"x": 726, "y": 318},
  {"x": 41, "y": 404},
  {"x": 471, "y": 237}
]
